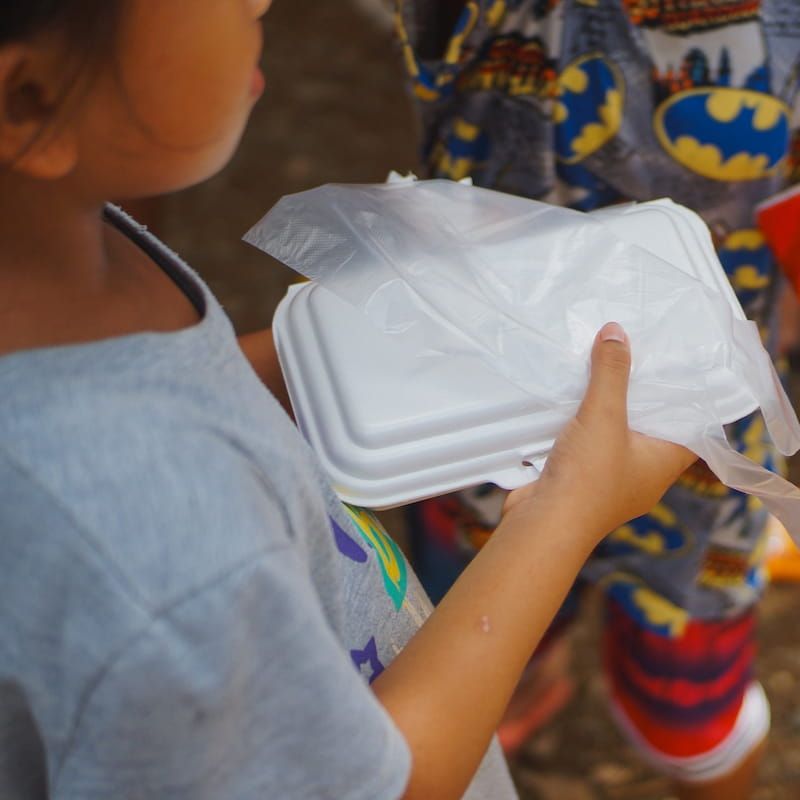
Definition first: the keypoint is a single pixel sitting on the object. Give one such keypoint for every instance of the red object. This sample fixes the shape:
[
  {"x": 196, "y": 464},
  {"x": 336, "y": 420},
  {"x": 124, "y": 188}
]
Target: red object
[
  {"x": 779, "y": 220},
  {"x": 683, "y": 694}
]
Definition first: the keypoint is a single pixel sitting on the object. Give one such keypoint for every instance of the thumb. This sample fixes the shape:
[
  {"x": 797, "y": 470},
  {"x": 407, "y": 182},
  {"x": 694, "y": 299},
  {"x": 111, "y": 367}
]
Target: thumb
[{"x": 607, "y": 395}]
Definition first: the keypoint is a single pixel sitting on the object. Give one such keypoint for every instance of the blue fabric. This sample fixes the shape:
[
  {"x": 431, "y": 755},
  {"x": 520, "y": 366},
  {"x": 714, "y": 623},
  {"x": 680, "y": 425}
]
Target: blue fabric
[{"x": 177, "y": 616}]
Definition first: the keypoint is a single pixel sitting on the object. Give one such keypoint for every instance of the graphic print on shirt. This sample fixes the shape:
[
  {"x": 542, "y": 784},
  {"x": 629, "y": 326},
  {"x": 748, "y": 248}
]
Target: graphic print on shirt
[
  {"x": 647, "y": 607},
  {"x": 727, "y": 564},
  {"x": 715, "y": 113},
  {"x": 749, "y": 266},
  {"x": 390, "y": 558},
  {"x": 752, "y": 440},
  {"x": 690, "y": 15},
  {"x": 589, "y": 107},
  {"x": 346, "y": 545},
  {"x": 729, "y": 569},
  {"x": 720, "y": 76},
  {"x": 511, "y": 64},
  {"x": 464, "y": 149},
  {"x": 509, "y": 61},
  {"x": 433, "y": 83},
  {"x": 658, "y": 534},
  {"x": 367, "y": 661}
]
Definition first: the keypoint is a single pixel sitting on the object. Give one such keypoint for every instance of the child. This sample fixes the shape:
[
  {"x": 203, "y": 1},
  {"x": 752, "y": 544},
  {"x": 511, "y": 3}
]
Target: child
[
  {"x": 187, "y": 610},
  {"x": 590, "y": 104}
]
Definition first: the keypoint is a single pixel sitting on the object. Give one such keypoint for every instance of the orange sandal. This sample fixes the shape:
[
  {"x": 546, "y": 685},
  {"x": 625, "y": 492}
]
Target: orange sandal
[{"x": 783, "y": 556}]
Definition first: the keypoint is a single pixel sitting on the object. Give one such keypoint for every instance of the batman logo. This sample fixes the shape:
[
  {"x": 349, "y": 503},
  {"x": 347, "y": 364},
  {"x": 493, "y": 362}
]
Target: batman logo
[
  {"x": 724, "y": 134},
  {"x": 651, "y": 610},
  {"x": 462, "y": 152},
  {"x": 657, "y": 534},
  {"x": 748, "y": 262},
  {"x": 588, "y": 109}
]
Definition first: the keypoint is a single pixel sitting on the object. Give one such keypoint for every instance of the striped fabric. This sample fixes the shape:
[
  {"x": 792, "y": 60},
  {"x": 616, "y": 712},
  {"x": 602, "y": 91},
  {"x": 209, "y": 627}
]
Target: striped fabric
[{"x": 683, "y": 694}]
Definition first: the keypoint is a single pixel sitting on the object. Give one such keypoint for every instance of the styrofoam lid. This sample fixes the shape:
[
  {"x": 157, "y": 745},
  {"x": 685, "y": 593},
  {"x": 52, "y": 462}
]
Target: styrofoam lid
[{"x": 393, "y": 426}]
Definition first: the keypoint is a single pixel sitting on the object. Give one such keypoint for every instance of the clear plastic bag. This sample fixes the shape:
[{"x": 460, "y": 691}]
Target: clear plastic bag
[{"x": 524, "y": 286}]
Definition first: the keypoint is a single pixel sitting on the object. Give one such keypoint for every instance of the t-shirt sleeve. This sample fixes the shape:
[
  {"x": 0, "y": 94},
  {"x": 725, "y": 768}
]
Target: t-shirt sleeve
[{"x": 239, "y": 691}]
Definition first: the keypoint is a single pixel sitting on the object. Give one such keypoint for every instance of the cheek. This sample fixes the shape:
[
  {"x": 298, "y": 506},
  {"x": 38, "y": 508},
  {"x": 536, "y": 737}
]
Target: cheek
[
  {"x": 188, "y": 137},
  {"x": 177, "y": 105},
  {"x": 190, "y": 85},
  {"x": 198, "y": 107}
]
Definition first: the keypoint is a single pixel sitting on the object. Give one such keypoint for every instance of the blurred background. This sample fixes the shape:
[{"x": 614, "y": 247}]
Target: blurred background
[{"x": 336, "y": 110}]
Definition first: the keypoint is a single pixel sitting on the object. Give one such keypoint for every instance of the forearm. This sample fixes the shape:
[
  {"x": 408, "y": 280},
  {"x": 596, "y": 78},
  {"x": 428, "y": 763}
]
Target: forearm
[
  {"x": 448, "y": 688},
  {"x": 259, "y": 349}
]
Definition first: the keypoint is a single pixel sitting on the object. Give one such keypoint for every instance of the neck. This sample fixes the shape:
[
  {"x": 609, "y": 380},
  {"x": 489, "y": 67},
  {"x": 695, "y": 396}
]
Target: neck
[
  {"x": 66, "y": 277},
  {"x": 48, "y": 235}
]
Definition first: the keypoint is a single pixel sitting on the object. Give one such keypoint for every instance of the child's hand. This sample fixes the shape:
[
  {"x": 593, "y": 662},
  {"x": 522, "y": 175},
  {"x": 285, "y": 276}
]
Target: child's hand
[
  {"x": 599, "y": 475},
  {"x": 601, "y": 470}
]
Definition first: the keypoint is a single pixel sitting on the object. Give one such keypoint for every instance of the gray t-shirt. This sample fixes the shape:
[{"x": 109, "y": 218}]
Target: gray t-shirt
[{"x": 187, "y": 610}]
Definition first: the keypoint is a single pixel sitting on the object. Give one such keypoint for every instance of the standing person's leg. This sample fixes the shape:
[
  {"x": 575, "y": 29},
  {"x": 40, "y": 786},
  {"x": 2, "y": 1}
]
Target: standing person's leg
[
  {"x": 689, "y": 703},
  {"x": 736, "y": 785},
  {"x": 683, "y": 583}
]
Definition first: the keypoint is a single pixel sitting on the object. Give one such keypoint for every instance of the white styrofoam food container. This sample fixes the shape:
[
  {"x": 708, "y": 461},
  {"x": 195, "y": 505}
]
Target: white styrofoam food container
[{"x": 391, "y": 427}]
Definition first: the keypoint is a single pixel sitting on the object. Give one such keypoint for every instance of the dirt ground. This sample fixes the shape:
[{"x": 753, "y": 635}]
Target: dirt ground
[{"x": 335, "y": 110}]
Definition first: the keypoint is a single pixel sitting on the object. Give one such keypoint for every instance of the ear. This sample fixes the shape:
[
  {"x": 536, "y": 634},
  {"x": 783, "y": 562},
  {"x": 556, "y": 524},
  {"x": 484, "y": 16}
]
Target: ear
[{"x": 32, "y": 141}]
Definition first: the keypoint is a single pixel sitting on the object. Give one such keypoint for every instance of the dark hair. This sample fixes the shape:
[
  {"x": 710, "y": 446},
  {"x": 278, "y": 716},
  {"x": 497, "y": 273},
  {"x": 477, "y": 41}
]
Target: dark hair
[
  {"x": 86, "y": 30},
  {"x": 88, "y": 25}
]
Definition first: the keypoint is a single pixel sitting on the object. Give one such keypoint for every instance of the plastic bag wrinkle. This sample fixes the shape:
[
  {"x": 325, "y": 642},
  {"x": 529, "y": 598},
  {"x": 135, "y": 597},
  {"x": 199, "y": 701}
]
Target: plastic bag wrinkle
[{"x": 449, "y": 269}]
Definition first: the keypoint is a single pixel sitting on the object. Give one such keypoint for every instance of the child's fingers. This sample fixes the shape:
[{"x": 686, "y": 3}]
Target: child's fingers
[{"x": 607, "y": 395}]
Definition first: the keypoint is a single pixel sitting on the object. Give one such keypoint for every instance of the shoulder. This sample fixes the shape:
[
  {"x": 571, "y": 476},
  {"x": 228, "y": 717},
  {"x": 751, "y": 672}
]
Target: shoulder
[{"x": 156, "y": 491}]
